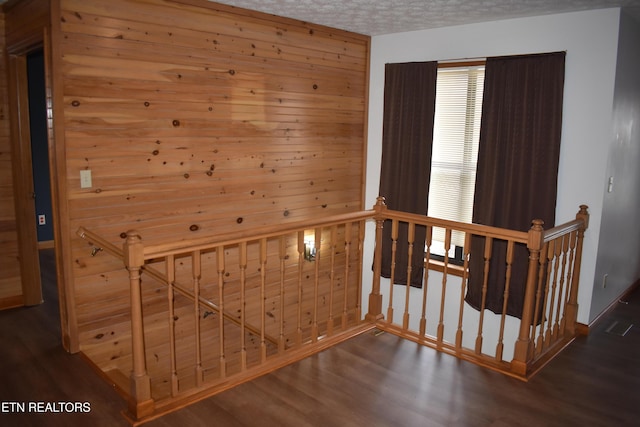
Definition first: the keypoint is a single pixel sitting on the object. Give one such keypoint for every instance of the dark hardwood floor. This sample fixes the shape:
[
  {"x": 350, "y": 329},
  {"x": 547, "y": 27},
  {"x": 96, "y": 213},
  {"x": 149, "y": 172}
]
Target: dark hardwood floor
[{"x": 369, "y": 381}]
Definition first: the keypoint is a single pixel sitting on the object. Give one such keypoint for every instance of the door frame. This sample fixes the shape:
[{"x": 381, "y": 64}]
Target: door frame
[
  {"x": 32, "y": 25},
  {"x": 18, "y": 93}
]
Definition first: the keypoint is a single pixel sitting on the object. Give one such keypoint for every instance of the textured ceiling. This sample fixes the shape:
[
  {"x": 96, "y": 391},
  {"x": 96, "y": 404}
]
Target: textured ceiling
[{"x": 375, "y": 17}]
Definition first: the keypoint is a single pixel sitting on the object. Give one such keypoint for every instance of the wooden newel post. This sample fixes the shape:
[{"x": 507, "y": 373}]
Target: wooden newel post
[
  {"x": 571, "y": 313},
  {"x": 140, "y": 401},
  {"x": 523, "y": 349},
  {"x": 375, "y": 298}
]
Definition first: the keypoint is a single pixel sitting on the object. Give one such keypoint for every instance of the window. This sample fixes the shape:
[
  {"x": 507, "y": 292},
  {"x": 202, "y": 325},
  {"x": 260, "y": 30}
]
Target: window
[{"x": 456, "y": 136}]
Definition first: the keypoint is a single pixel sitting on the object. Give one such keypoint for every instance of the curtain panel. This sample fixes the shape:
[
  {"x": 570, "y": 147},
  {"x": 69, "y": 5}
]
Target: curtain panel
[
  {"x": 517, "y": 170},
  {"x": 409, "y": 108}
]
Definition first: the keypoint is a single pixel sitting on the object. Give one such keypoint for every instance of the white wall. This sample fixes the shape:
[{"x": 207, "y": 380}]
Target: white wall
[
  {"x": 590, "y": 40},
  {"x": 619, "y": 251}
]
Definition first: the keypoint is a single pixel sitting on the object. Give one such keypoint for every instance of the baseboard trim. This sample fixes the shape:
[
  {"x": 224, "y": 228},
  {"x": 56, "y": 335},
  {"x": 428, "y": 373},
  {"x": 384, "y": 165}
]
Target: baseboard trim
[
  {"x": 583, "y": 329},
  {"x": 47, "y": 244},
  {"x": 11, "y": 302}
]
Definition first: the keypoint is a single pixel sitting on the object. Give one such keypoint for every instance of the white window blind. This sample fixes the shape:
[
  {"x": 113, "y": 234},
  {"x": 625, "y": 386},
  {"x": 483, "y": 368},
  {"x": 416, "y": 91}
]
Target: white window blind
[{"x": 455, "y": 146}]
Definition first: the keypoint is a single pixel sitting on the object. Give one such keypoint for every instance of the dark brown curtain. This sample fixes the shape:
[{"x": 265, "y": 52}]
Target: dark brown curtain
[
  {"x": 409, "y": 107},
  {"x": 517, "y": 169}
]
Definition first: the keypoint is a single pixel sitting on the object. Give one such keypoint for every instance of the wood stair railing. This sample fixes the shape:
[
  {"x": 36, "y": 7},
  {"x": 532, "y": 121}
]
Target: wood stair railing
[
  {"x": 273, "y": 303},
  {"x": 438, "y": 316},
  {"x": 257, "y": 302}
]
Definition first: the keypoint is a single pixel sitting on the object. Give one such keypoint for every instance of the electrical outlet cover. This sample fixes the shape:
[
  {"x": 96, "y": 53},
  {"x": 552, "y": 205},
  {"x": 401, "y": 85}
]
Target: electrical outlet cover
[{"x": 85, "y": 178}]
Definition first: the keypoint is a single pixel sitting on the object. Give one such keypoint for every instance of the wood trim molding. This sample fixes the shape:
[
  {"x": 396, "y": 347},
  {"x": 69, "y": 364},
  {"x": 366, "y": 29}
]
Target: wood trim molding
[
  {"x": 583, "y": 329},
  {"x": 23, "y": 179},
  {"x": 57, "y": 155},
  {"x": 11, "y": 302},
  {"x": 452, "y": 269},
  {"x": 460, "y": 64},
  {"x": 49, "y": 244}
]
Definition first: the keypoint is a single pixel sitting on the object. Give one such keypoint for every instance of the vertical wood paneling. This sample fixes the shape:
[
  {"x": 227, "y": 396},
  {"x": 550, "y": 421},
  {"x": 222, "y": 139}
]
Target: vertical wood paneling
[{"x": 196, "y": 119}]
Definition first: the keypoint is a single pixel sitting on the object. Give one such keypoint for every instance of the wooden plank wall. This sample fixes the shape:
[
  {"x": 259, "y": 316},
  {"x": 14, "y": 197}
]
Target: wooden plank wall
[
  {"x": 196, "y": 119},
  {"x": 10, "y": 284}
]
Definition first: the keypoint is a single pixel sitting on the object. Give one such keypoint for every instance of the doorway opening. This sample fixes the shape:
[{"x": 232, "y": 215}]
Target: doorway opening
[
  {"x": 31, "y": 167},
  {"x": 40, "y": 148},
  {"x": 41, "y": 174}
]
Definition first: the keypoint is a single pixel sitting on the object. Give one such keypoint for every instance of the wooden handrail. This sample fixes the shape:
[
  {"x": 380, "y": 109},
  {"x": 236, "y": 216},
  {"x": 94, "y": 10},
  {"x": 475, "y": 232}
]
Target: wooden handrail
[
  {"x": 103, "y": 244},
  {"x": 572, "y": 304},
  {"x": 471, "y": 228},
  {"x": 255, "y": 234},
  {"x": 581, "y": 221},
  {"x": 568, "y": 227}
]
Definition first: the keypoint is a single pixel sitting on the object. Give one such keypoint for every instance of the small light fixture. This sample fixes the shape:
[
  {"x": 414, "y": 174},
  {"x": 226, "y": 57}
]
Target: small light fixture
[{"x": 310, "y": 250}]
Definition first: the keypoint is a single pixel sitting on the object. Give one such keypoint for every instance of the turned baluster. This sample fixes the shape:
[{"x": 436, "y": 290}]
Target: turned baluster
[
  {"x": 243, "y": 304},
  {"x": 263, "y": 298},
  {"x": 360, "y": 255},
  {"x": 347, "y": 260},
  {"x": 332, "y": 276},
  {"x": 141, "y": 403},
  {"x": 553, "y": 259},
  {"x": 316, "y": 284},
  {"x": 171, "y": 277},
  {"x": 522, "y": 351},
  {"x": 463, "y": 288},
  {"x": 392, "y": 277},
  {"x": 572, "y": 306},
  {"x": 505, "y": 300},
  {"x": 301, "y": 251},
  {"x": 375, "y": 298},
  {"x": 445, "y": 274},
  {"x": 410, "y": 240},
  {"x": 572, "y": 250},
  {"x": 488, "y": 245},
  {"x": 425, "y": 284},
  {"x": 563, "y": 276},
  {"x": 544, "y": 278},
  {"x": 197, "y": 272},
  {"x": 221, "y": 269},
  {"x": 282, "y": 253}
]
